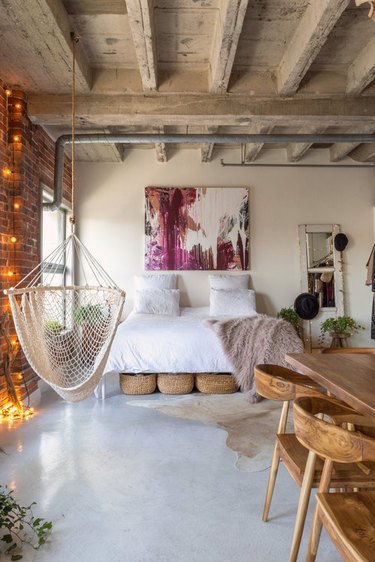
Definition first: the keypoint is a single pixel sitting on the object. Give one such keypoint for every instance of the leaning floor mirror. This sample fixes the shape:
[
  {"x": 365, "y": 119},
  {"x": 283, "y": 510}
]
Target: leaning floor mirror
[{"x": 321, "y": 275}]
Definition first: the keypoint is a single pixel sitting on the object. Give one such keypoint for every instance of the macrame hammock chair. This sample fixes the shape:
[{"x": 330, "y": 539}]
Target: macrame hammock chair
[{"x": 66, "y": 330}]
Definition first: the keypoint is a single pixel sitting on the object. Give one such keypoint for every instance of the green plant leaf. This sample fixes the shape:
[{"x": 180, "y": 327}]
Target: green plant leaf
[{"x": 7, "y": 539}]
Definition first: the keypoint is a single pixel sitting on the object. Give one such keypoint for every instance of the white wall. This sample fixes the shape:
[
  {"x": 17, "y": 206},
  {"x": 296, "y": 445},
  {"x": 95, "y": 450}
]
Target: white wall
[{"x": 110, "y": 203}]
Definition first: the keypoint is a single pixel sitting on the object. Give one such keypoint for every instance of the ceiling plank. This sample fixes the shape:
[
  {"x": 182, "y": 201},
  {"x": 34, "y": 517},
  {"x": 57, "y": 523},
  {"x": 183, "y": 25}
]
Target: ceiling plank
[
  {"x": 141, "y": 21},
  {"x": 364, "y": 153},
  {"x": 47, "y": 28},
  {"x": 227, "y": 33},
  {"x": 362, "y": 70},
  {"x": 295, "y": 151},
  {"x": 207, "y": 148},
  {"x": 95, "y": 8},
  {"x": 203, "y": 110},
  {"x": 252, "y": 150},
  {"x": 310, "y": 35}
]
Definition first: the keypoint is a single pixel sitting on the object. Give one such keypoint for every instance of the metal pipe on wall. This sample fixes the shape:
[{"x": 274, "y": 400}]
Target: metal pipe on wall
[{"x": 103, "y": 138}]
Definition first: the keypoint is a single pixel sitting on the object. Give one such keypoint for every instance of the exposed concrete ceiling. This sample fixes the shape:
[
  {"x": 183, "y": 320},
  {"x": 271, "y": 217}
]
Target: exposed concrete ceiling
[{"x": 248, "y": 66}]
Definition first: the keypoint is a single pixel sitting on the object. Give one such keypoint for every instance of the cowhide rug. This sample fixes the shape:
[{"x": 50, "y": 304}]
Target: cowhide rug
[{"x": 251, "y": 428}]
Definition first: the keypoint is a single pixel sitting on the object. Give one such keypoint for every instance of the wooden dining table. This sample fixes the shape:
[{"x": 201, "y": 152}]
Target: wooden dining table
[{"x": 349, "y": 377}]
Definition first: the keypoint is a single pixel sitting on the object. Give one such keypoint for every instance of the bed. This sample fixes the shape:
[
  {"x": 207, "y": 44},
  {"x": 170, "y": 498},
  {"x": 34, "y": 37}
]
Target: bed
[
  {"x": 162, "y": 341},
  {"x": 150, "y": 343}
]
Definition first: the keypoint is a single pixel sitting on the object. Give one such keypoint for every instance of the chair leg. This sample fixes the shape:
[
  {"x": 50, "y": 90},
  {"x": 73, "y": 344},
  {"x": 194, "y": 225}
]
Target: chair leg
[
  {"x": 303, "y": 504},
  {"x": 275, "y": 462},
  {"x": 316, "y": 527},
  {"x": 271, "y": 481}
]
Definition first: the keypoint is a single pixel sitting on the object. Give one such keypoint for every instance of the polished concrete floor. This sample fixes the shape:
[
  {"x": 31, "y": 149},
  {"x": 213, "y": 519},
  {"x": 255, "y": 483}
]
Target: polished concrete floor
[{"x": 134, "y": 485}]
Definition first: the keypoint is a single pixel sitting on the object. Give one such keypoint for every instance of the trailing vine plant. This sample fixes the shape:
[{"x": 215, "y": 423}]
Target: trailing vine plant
[{"x": 18, "y": 526}]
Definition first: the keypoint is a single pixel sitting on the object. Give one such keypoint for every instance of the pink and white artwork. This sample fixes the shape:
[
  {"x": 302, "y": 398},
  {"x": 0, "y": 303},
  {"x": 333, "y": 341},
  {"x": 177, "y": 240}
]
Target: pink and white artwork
[{"x": 196, "y": 228}]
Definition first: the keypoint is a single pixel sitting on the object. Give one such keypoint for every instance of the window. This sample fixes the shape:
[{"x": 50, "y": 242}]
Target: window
[{"x": 56, "y": 267}]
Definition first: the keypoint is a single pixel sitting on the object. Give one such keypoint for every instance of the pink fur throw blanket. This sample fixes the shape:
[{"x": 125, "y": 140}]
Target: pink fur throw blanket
[{"x": 249, "y": 341}]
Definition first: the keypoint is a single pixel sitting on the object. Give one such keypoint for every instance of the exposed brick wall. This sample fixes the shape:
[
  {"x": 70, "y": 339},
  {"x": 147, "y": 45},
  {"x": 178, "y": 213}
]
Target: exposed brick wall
[{"x": 31, "y": 160}]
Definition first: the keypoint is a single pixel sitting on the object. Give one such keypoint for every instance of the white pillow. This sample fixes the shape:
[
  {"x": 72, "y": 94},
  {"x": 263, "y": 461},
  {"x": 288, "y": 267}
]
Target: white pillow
[
  {"x": 229, "y": 282},
  {"x": 157, "y": 301},
  {"x": 166, "y": 281},
  {"x": 240, "y": 302}
]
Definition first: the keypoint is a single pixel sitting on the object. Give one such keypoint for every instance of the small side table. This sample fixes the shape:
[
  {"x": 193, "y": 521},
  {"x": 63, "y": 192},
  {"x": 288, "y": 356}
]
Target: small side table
[{"x": 339, "y": 340}]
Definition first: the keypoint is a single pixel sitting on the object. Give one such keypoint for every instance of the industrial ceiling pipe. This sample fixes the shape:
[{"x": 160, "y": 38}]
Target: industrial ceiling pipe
[{"x": 103, "y": 138}]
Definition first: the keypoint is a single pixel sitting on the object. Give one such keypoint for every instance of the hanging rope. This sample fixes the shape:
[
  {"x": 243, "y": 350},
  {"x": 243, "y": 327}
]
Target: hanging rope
[{"x": 75, "y": 40}]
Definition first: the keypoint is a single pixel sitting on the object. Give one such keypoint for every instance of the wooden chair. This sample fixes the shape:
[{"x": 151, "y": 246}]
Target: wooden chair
[
  {"x": 349, "y": 518},
  {"x": 279, "y": 383},
  {"x": 348, "y": 350}
]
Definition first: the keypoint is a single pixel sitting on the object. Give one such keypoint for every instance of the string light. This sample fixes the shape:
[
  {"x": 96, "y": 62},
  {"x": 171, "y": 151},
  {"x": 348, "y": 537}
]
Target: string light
[
  {"x": 13, "y": 239},
  {"x": 8, "y": 92},
  {"x": 16, "y": 138},
  {"x": 16, "y": 206},
  {"x": 10, "y": 273},
  {"x": 7, "y": 172},
  {"x": 18, "y": 106}
]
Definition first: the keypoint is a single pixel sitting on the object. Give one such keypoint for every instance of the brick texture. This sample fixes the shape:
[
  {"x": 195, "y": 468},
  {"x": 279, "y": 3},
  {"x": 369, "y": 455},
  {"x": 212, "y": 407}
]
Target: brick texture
[{"x": 31, "y": 161}]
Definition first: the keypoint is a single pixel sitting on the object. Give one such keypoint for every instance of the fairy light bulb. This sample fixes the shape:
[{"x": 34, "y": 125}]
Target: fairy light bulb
[
  {"x": 10, "y": 273},
  {"x": 17, "y": 105},
  {"x": 16, "y": 138},
  {"x": 7, "y": 172},
  {"x": 13, "y": 239},
  {"x": 8, "y": 92},
  {"x": 16, "y": 206}
]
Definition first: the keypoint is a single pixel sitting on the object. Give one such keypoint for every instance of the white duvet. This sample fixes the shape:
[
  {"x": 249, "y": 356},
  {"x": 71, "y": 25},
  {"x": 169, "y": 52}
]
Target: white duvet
[{"x": 147, "y": 343}]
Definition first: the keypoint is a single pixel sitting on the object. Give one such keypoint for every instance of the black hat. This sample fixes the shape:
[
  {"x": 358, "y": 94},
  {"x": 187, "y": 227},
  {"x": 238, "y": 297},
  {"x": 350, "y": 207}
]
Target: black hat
[
  {"x": 340, "y": 241},
  {"x": 306, "y": 306}
]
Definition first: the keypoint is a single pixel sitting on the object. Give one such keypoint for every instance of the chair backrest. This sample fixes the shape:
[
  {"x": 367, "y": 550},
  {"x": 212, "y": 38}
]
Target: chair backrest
[
  {"x": 279, "y": 383},
  {"x": 327, "y": 439},
  {"x": 349, "y": 350}
]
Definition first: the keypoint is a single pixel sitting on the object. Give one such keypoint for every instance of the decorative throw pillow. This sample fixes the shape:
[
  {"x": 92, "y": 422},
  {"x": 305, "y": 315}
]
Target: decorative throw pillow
[
  {"x": 229, "y": 282},
  {"x": 156, "y": 281},
  {"x": 165, "y": 302},
  {"x": 240, "y": 302}
]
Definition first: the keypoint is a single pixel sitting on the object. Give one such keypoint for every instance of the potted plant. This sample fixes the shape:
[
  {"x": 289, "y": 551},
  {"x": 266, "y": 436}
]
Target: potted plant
[
  {"x": 18, "y": 526},
  {"x": 339, "y": 329},
  {"x": 291, "y": 316},
  {"x": 53, "y": 327},
  {"x": 91, "y": 319}
]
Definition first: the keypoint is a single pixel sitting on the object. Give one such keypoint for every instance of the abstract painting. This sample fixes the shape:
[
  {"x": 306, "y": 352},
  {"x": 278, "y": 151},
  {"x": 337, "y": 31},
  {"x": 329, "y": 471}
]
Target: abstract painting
[{"x": 201, "y": 228}]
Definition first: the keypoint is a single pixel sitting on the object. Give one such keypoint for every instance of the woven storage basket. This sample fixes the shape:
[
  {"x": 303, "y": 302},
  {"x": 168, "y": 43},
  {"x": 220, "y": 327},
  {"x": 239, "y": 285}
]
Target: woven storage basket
[
  {"x": 215, "y": 383},
  {"x": 183, "y": 383},
  {"x": 137, "y": 384}
]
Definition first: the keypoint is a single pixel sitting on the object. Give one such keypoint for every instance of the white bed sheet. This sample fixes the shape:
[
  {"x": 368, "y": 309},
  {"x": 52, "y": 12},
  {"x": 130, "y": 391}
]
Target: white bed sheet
[{"x": 147, "y": 343}]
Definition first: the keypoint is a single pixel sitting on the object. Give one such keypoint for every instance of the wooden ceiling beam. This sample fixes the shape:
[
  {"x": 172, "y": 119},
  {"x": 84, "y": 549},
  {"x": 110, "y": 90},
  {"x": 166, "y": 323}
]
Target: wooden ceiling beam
[
  {"x": 231, "y": 16},
  {"x": 310, "y": 35},
  {"x": 203, "y": 110},
  {"x": 296, "y": 151},
  {"x": 340, "y": 150},
  {"x": 141, "y": 21},
  {"x": 207, "y": 148},
  {"x": 364, "y": 153},
  {"x": 362, "y": 70},
  {"x": 46, "y": 27},
  {"x": 160, "y": 148},
  {"x": 252, "y": 150}
]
